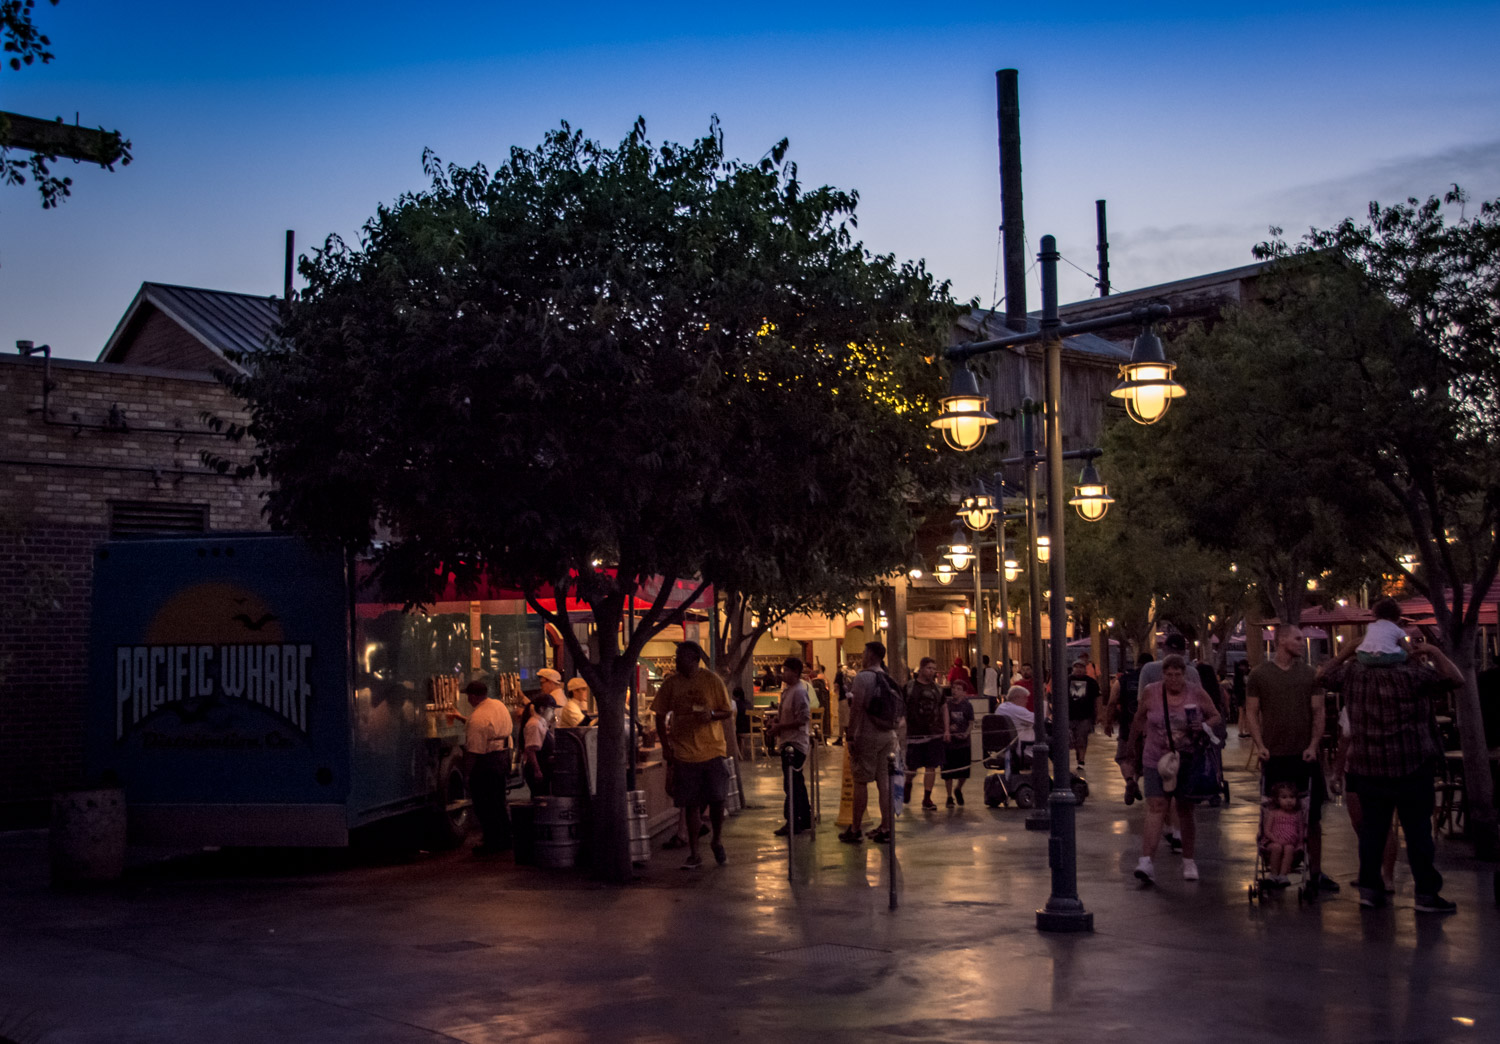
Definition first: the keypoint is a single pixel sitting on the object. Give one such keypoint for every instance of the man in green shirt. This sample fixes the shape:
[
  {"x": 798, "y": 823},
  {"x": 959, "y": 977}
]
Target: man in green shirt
[{"x": 1284, "y": 712}]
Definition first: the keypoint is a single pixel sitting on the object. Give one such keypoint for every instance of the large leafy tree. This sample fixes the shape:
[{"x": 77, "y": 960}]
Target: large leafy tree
[
  {"x": 1399, "y": 321},
  {"x": 597, "y": 366}
]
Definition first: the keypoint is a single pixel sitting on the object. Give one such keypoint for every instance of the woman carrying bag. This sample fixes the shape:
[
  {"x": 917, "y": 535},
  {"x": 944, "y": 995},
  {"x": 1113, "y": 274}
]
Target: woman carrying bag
[{"x": 1169, "y": 717}]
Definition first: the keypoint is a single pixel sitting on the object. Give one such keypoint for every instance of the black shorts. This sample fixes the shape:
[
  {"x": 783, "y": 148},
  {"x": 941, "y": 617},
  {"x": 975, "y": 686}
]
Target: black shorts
[
  {"x": 925, "y": 754},
  {"x": 1306, "y": 776}
]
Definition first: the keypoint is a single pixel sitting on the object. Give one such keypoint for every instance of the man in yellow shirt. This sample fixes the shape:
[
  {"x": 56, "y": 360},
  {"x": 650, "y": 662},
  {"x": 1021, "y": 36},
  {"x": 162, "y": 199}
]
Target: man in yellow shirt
[{"x": 689, "y": 706}]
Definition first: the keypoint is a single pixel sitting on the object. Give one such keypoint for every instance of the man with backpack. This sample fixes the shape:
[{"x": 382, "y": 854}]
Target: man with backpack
[
  {"x": 875, "y": 707},
  {"x": 1123, "y": 699}
]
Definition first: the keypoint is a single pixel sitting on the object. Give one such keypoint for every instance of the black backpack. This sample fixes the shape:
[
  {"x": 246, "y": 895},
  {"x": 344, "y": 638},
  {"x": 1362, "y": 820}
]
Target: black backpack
[
  {"x": 886, "y": 705},
  {"x": 1130, "y": 684}
]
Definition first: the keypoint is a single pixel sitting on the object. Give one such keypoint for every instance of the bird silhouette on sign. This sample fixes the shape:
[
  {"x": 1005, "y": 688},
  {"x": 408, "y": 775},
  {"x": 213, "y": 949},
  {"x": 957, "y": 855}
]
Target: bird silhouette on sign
[{"x": 255, "y": 625}]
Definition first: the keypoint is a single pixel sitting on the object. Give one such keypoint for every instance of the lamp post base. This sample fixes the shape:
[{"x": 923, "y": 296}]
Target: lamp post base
[
  {"x": 1059, "y": 921},
  {"x": 1038, "y": 819}
]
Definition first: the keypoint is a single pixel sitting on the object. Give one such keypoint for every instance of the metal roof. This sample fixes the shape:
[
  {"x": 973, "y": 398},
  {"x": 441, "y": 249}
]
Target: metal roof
[
  {"x": 223, "y": 321},
  {"x": 986, "y": 323}
]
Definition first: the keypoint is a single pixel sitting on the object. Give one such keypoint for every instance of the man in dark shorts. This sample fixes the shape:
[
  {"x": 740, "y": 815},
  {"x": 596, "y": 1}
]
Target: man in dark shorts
[
  {"x": 1284, "y": 713},
  {"x": 1083, "y": 708},
  {"x": 690, "y": 705},
  {"x": 1124, "y": 697},
  {"x": 925, "y": 748}
]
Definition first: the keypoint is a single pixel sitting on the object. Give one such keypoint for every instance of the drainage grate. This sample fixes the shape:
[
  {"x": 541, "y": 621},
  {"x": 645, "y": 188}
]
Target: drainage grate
[
  {"x": 454, "y": 947},
  {"x": 826, "y": 954}
]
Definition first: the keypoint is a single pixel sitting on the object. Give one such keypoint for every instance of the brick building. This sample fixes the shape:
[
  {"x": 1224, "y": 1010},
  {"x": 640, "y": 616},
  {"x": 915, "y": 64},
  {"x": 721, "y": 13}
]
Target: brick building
[{"x": 91, "y": 451}]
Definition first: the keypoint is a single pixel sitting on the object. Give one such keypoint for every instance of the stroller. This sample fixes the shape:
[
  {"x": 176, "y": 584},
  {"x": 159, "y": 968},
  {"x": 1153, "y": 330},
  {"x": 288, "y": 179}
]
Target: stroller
[{"x": 1271, "y": 841}]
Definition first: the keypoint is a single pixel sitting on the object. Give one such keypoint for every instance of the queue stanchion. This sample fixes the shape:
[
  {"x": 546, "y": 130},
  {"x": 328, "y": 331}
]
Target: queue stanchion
[
  {"x": 791, "y": 806},
  {"x": 890, "y": 769},
  {"x": 817, "y": 788}
]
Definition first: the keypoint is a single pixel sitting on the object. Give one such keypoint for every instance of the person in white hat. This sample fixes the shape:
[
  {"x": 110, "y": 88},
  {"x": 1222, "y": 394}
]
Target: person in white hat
[{"x": 575, "y": 710}]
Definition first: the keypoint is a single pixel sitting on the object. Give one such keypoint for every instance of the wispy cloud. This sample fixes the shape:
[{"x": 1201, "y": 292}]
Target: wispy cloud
[{"x": 1475, "y": 166}]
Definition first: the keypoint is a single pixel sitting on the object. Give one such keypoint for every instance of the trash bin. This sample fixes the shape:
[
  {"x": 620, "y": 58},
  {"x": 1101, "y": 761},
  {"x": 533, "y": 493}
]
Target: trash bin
[{"x": 87, "y": 840}]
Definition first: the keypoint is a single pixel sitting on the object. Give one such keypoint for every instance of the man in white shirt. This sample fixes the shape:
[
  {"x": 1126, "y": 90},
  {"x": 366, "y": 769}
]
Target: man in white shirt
[
  {"x": 1014, "y": 708},
  {"x": 990, "y": 684},
  {"x": 791, "y": 731},
  {"x": 575, "y": 709},
  {"x": 487, "y": 765}
]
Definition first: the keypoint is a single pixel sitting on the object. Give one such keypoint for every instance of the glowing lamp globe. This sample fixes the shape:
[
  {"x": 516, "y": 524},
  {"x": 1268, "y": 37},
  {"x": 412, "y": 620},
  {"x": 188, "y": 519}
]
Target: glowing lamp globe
[
  {"x": 1044, "y": 549},
  {"x": 1091, "y": 496},
  {"x": 963, "y": 416},
  {"x": 977, "y": 511},
  {"x": 943, "y": 573},
  {"x": 1146, "y": 382}
]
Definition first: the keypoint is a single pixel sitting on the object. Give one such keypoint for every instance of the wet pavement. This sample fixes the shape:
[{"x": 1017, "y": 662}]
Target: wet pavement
[{"x": 355, "y": 946}]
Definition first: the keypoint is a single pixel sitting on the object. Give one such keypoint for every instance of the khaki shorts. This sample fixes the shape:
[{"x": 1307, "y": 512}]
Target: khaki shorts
[{"x": 868, "y": 756}]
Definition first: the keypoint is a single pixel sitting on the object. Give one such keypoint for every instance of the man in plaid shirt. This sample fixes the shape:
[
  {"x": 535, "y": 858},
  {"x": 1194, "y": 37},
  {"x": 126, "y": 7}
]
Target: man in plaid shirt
[{"x": 1394, "y": 755}]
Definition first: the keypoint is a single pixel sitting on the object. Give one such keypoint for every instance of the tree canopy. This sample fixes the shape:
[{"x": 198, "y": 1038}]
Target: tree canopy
[{"x": 598, "y": 365}]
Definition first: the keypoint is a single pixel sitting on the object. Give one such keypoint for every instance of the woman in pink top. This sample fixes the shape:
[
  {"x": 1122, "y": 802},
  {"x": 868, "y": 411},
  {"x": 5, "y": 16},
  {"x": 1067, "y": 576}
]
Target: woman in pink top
[{"x": 1190, "y": 709}]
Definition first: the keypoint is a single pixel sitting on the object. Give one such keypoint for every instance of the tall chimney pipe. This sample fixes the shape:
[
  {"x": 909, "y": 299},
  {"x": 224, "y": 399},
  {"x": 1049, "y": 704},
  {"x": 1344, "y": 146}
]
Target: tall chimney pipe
[
  {"x": 1103, "y": 248},
  {"x": 291, "y": 264},
  {"x": 1012, "y": 223}
]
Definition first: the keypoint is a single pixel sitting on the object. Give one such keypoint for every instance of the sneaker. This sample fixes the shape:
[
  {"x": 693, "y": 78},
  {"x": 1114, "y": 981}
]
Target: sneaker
[
  {"x": 782, "y": 831},
  {"x": 880, "y": 837},
  {"x": 1435, "y": 904},
  {"x": 958, "y": 795},
  {"x": 693, "y": 863},
  {"x": 1145, "y": 871},
  {"x": 1174, "y": 842},
  {"x": 1132, "y": 792},
  {"x": 720, "y": 856},
  {"x": 1278, "y": 881},
  {"x": 1189, "y": 870},
  {"x": 951, "y": 802},
  {"x": 1372, "y": 899},
  {"x": 852, "y": 836},
  {"x": 928, "y": 803}
]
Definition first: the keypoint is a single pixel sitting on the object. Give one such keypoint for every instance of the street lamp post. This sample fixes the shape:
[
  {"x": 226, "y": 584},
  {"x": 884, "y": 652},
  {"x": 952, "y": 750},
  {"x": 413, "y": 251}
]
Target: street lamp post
[
  {"x": 1040, "y": 816},
  {"x": 1064, "y": 911}
]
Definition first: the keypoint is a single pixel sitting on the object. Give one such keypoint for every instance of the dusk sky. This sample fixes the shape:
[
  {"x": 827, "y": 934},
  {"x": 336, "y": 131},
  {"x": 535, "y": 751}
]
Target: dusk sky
[{"x": 1201, "y": 124}]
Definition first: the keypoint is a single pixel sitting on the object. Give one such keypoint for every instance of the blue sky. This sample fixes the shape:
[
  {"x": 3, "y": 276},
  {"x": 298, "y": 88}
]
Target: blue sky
[{"x": 1201, "y": 124}]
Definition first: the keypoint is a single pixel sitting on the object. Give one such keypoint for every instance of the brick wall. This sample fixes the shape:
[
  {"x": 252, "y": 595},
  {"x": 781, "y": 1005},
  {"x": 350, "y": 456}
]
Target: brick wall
[{"x": 56, "y": 484}]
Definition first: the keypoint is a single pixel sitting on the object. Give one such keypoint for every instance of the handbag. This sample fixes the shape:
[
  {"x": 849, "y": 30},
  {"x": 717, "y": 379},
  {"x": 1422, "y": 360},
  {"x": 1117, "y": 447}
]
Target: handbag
[{"x": 1169, "y": 765}]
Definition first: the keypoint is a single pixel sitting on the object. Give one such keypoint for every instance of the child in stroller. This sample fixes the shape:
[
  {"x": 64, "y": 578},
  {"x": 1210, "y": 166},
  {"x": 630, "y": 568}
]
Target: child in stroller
[{"x": 1281, "y": 843}]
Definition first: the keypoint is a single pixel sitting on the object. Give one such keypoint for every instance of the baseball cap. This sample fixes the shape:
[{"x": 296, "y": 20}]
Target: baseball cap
[{"x": 542, "y": 701}]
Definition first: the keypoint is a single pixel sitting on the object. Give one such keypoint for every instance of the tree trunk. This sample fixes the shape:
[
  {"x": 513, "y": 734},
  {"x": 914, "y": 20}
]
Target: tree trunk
[
  {"x": 611, "y": 835},
  {"x": 1479, "y": 789}
]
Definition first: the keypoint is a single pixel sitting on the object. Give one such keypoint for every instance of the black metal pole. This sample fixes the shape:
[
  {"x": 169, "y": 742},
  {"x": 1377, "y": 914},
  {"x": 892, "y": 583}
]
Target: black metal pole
[
  {"x": 1064, "y": 911},
  {"x": 1002, "y": 658},
  {"x": 1012, "y": 223},
  {"x": 1040, "y": 816},
  {"x": 291, "y": 266},
  {"x": 1103, "y": 248}
]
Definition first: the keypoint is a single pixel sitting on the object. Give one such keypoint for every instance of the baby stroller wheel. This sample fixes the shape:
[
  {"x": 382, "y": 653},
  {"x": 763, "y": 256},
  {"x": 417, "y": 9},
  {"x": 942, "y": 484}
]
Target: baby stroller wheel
[
  {"x": 1254, "y": 892},
  {"x": 1080, "y": 788}
]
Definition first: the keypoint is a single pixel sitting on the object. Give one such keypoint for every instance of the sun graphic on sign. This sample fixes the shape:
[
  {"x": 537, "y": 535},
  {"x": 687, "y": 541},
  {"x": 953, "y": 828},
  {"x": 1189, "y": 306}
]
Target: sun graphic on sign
[{"x": 214, "y": 614}]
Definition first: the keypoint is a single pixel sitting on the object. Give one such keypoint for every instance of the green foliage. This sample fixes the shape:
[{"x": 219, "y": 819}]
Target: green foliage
[{"x": 650, "y": 357}]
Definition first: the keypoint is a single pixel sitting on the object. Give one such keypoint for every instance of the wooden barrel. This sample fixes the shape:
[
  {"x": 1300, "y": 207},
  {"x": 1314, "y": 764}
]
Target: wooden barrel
[
  {"x": 640, "y": 830},
  {"x": 558, "y": 831},
  {"x": 87, "y": 840}
]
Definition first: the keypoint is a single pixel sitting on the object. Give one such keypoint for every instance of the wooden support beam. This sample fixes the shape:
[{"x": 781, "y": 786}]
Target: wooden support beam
[{"x": 56, "y": 138}]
